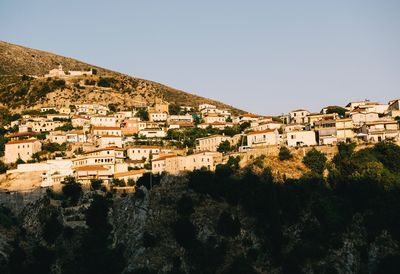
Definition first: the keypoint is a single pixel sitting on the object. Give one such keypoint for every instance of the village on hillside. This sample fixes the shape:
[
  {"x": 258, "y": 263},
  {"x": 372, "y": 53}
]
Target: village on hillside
[{"x": 92, "y": 141}]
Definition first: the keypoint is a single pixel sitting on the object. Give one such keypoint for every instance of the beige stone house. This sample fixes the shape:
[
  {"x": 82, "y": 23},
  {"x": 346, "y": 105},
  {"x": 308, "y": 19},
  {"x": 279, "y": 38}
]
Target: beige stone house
[
  {"x": 21, "y": 149},
  {"x": 211, "y": 143},
  {"x": 143, "y": 152}
]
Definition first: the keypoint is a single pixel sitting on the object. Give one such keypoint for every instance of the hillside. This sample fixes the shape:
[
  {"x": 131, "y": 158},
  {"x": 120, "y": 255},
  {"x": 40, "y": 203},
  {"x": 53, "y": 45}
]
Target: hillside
[{"x": 17, "y": 92}]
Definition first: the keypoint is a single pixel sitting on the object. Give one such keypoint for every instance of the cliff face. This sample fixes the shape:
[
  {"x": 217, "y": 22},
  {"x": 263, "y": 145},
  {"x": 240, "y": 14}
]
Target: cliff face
[{"x": 181, "y": 227}]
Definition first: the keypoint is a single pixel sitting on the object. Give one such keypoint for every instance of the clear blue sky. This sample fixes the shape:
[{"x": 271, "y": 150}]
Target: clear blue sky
[{"x": 267, "y": 57}]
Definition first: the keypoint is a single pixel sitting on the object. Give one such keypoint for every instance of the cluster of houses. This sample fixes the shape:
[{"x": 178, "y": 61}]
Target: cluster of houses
[{"x": 106, "y": 145}]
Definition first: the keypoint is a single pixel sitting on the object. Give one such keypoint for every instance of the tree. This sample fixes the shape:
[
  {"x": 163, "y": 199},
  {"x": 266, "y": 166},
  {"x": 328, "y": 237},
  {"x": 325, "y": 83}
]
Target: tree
[
  {"x": 3, "y": 167},
  {"x": 174, "y": 109},
  {"x": 71, "y": 189},
  {"x": 112, "y": 107},
  {"x": 52, "y": 229},
  {"x": 95, "y": 184},
  {"x": 244, "y": 125},
  {"x": 185, "y": 206},
  {"x": 224, "y": 147},
  {"x": 336, "y": 109},
  {"x": 315, "y": 160},
  {"x": 142, "y": 114},
  {"x": 285, "y": 154},
  {"x": 184, "y": 232},
  {"x": 228, "y": 226}
]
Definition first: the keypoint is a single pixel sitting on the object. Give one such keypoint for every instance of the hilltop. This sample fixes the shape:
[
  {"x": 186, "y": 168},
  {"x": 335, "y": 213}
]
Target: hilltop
[{"x": 19, "y": 92}]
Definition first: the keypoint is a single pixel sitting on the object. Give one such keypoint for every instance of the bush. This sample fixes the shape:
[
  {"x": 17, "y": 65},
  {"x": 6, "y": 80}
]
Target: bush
[
  {"x": 184, "y": 232},
  {"x": 224, "y": 147},
  {"x": 228, "y": 226},
  {"x": 95, "y": 184},
  {"x": 52, "y": 229},
  {"x": 185, "y": 206},
  {"x": 285, "y": 154},
  {"x": 315, "y": 160},
  {"x": 71, "y": 189},
  {"x": 3, "y": 167}
]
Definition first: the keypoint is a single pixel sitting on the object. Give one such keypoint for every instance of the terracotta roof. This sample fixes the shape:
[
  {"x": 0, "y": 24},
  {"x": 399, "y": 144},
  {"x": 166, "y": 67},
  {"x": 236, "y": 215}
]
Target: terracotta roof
[
  {"x": 110, "y": 136},
  {"x": 91, "y": 168},
  {"x": 128, "y": 173},
  {"x": 143, "y": 147},
  {"x": 164, "y": 157},
  {"x": 75, "y": 132},
  {"x": 269, "y": 122},
  {"x": 250, "y": 115},
  {"x": 106, "y": 128},
  {"x": 102, "y": 149},
  {"x": 300, "y": 109},
  {"x": 261, "y": 131},
  {"x": 19, "y": 134},
  {"x": 22, "y": 141}
]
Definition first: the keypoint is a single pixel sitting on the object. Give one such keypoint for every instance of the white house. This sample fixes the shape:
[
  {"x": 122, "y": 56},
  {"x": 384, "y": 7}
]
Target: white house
[
  {"x": 153, "y": 133},
  {"x": 262, "y": 138},
  {"x": 158, "y": 116},
  {"x": 301, "y": 138}
]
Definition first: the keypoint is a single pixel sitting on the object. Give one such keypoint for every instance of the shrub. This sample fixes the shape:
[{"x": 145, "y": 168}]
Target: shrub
[
  {"x": 285, "y": 154},
  {"x": 3, "y": 167},
  {"x": 315, "y": 160},
  {"x": 185, "y": 206},
  {"x": 228, "y": 226},
  {"x": 52, "y": 229},
  {"x": 184, "y": 232},
  {"x": 224, "y": 147},
  {"x": 71, "y": 189},
  {"x": 95, "y": 184}
]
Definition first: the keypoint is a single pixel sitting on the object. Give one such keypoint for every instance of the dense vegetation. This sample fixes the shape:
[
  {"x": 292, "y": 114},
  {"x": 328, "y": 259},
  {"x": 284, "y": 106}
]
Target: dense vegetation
[{"x": 342, "y": 216}]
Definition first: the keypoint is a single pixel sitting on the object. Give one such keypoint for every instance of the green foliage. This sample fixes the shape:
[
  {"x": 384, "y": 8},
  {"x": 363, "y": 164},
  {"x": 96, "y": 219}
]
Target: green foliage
[
  {"x": 3, "y": 167},
  {"x": 118, "y": 182},
  {"x": 52, "y": 229},
  {"x": 174, "y": 109},
  {"x": 71, "y": 190},
  {"x": 277, "y": 119},
  {"x": 185, "y": 206},
  {"x": 228, "y": 226},
  {"x": 244, "y": 126},
  {"x": 58, "y": 83},
  {"x": 90, "y": 82},
  {"x": 148, "y": 180},
  {"x": 224, "y": 147},
  {"x": 113, "y": 107},
  {"x": 53, "y": 147},
  {"x": 7, "y": 219},
  {"x": 19, "y": 161},
  {"x": 285, "y": 154},
  {"x": 95, "y": 184},
  {"x": 65, "y": 127},
  {"x": 142, "y": 114},
  {"x": 315, "y": 160},
  {"x": 106, "y": 82},
  {"x": 184, "y": 232},
  {"x": 336, "y": 109}
]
